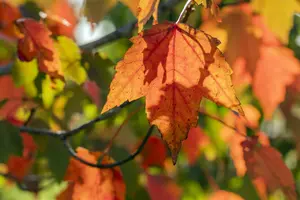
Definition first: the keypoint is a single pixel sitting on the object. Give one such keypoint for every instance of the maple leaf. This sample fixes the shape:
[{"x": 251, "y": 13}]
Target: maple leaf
[
  {"x": 162, "y": 187},
  {"x": 265, "y": 163},
  {"x": 154, "y": 153},
  {"x": 257, "y": 57},
  {"x": 146, "y": 9},
  {"x": 224, "y": 195},
  {"x": 61, "y": 18},
  {"x": 8, "y": 14},
  {"x": 86, "y": 182},
  {"x": 174, "y": 66},
  {"x": 195, "y": 142},
  {"x": 37, "y": 43}
]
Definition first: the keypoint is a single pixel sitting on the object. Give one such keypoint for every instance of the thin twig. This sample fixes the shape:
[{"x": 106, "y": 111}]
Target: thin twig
[
  {"x": 63, "y": 134},
  {"x": 111, "y": 165},
  {"x": 184, "y": 10},
  {"x": 109, "y": 145},
  {"x": 222, "y": 122}
]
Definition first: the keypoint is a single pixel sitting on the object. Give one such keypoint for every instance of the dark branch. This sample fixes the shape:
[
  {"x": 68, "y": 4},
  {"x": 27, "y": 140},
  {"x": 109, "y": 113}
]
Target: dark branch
[
  {"x": 117, "y": 163},
  {"x": 64, "y": 134},
  {"x": 125, "y": 31},
  {"x": 122, "y": 32}
]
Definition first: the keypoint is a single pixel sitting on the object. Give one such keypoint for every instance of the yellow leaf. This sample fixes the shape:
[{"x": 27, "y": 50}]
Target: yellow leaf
[{"x": 278, "y": 15}]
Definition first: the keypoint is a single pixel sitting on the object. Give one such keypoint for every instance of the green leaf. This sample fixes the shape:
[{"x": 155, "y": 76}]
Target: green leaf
[
  {"x": 24, "y": 72},
  {"x": 58, "y": 158},
  {"x": 10, "y": 142},
  {"x": 50, "y": 88},
  {"x": 70, "y": 58}
]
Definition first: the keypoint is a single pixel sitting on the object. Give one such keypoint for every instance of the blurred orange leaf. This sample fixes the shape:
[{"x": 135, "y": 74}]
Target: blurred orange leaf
[
  {"x": 87, "y": 183},
  {"x": 61, "y": 18},
  {"x": 234, "y": 139},
  {"x": 174, "y": 66},
  {"x": 224, "y": 195},
  {"x": 162, "y": 188},
  {"x": 193, "y": 145},
  {"x": 212, "y": 6},
  {"x": 37, "y": 43},
  {"x": 8, "y": 14},
  {"x": 258, "y": 57},
  {"x": 265, "y": 163}
]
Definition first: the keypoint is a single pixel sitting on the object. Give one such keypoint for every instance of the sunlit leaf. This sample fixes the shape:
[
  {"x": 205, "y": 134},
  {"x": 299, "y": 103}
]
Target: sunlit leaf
[
  {"x": 173, "y": 81},
  {"x": 146, "y": 9}
]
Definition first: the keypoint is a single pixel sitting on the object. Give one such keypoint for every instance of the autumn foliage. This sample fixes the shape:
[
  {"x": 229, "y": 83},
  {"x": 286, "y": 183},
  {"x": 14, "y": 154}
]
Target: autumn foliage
[{"x": 149, "y": 99}]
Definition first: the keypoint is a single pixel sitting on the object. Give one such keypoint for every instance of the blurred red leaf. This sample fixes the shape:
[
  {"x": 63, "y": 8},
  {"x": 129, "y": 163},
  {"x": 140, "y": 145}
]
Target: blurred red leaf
[
  {"x": 193, "y": 145},
  {"x": 20, "y": 166},
  {"x": 12, "y": 94},
  {"x": 61, "y": 18},
  {"x": 224, "y": 195},
  {"x": 8, "y": 14},
  {"x": 154, "y": 153},
  {"x": 265, "y": 163},
  {"x": 93, "y": 90},
  {"x": 162, "y": 188},
  {"x": 37, "y": 43},
  {"x": 87, "y": 183}
]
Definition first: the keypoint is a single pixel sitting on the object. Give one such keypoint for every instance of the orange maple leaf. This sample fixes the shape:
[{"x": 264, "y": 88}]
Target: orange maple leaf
[
  {"x": 265, "y": 163},
  {"x": 87, "y": 183},
  {"x": 146, "y": 9},
  {"x": 174, "y": 66},
  {"x": 37, "y": 43}
]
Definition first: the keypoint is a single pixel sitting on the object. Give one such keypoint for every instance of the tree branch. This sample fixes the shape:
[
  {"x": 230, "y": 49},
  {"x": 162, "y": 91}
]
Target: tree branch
[
  {"x": 123, "y": 32},
  {"x": 111, "y": 165},
  {"x": 65, "y": 134}
]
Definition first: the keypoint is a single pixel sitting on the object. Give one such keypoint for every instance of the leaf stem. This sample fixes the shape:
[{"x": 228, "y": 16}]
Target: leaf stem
[{"x": 183, "y": 12}]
